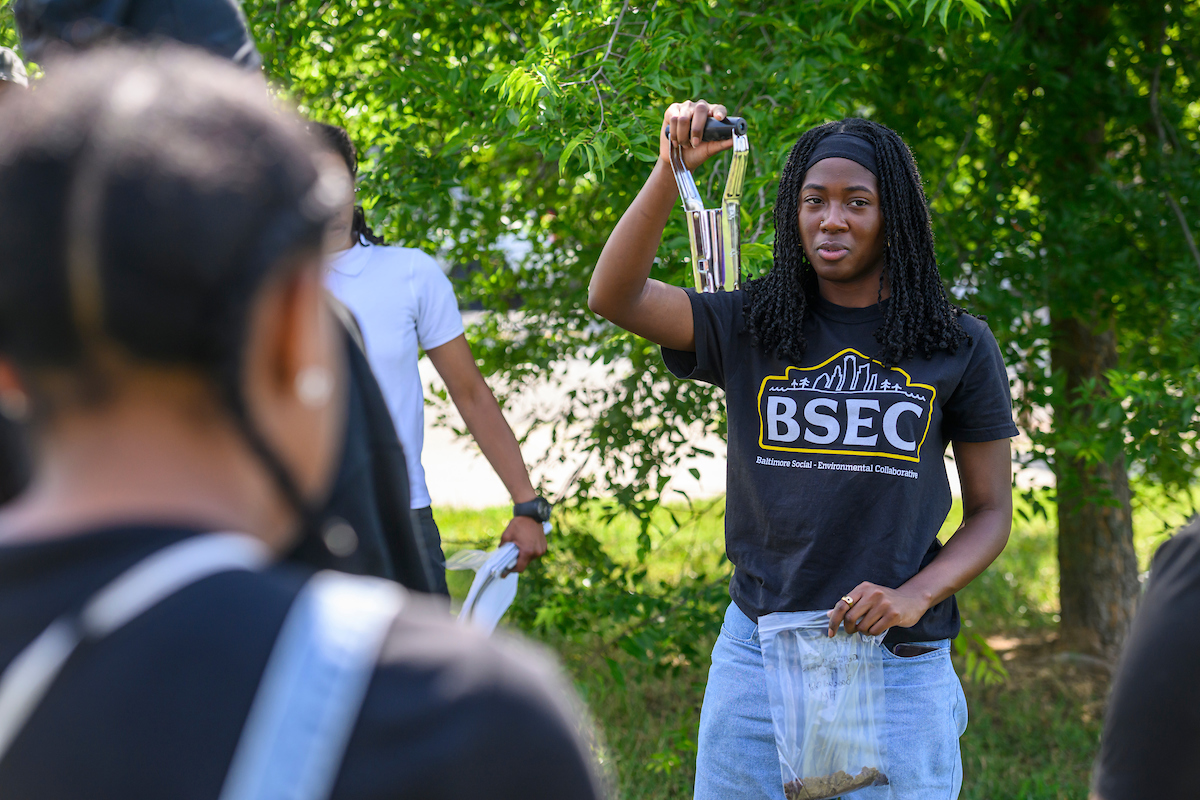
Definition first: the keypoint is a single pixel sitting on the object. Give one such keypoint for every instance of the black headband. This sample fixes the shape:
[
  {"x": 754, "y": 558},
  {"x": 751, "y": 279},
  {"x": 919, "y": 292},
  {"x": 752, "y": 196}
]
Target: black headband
[{"x": 845, "y": 145}]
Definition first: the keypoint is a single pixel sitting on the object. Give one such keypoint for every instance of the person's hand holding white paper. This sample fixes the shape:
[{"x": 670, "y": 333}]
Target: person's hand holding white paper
[
  {"x": 493, "y": 590},
  {"x": 495, "y": 585}
]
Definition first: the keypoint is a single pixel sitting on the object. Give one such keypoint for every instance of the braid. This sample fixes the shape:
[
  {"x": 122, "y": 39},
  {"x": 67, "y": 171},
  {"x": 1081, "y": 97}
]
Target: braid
[
  {"x": 919, "y": 316},
  {"x": 361, "y": 230}
]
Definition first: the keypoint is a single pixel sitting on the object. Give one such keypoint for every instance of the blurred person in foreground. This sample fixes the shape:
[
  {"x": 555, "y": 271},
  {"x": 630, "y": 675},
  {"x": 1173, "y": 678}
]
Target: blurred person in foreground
[
  {"x": 366, "y": 526},
  {"x": 161, "y": 298},
  {"x": 405, "y": 303},
  {"x": 12, "y": 73},
  {"x": 1151, "y": 736},
  {"x": 14, "y": 451}
]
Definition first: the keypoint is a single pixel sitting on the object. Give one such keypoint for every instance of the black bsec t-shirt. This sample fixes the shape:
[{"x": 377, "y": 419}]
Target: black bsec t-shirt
[
  {"x": 1151, "y": 738},
  {"x": 156, "y": 709},
  {"x": 835, "y": 465}
]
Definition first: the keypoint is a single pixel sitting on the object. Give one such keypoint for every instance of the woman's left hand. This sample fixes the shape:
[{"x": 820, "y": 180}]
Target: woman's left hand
[{"x": 875, "y": 609}]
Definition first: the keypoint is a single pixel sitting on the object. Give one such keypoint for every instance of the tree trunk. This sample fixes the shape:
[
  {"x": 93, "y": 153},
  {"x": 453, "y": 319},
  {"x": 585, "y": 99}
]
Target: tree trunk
[
  {"x": 1098, "y": 574},
  {"x": 1098, "y": 579}
]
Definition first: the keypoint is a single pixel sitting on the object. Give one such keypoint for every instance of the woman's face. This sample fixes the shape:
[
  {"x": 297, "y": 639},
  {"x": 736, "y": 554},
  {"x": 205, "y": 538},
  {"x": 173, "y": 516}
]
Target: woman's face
[{"x": 841, "y": 226}]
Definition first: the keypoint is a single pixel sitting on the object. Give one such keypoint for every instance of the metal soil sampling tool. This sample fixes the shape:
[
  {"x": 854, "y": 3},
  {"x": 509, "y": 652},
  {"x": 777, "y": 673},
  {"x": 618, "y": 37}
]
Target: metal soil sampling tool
[{"x": 714, "y": 233}]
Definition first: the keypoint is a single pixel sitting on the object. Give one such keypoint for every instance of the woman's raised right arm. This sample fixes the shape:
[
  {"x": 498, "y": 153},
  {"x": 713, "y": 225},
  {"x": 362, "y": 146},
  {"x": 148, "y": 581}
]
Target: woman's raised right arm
[{"x": 621, "y": 290}]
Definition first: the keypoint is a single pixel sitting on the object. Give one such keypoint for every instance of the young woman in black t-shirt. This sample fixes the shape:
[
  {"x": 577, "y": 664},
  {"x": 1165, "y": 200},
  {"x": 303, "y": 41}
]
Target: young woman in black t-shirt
[{"x": 846, "y": 372}]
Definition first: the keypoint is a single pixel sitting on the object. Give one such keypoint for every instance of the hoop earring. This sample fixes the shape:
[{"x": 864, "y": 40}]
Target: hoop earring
[
  {"x": 14, "y": 405},
  {"x": 314, "y": 387}
]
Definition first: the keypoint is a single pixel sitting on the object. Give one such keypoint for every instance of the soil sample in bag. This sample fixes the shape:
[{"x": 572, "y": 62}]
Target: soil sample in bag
[{"x": 827, "y": 786}]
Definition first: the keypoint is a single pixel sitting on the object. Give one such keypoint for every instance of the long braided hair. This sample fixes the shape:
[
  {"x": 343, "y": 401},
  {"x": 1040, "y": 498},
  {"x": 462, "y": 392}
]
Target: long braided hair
[
  {"x": 919, "y": 316},
  {"x": 336, "y": 138}
]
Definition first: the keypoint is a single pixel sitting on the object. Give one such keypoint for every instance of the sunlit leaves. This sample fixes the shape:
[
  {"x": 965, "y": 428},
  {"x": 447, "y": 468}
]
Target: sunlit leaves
[
  {"x": 981, "y": 663},
  {"x": 1032, "y": 226}
]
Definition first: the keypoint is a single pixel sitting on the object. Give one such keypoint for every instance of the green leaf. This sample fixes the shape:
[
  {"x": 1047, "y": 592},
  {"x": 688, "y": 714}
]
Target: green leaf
[
  {"x": 618, "y": 675},
  {"x": 498, "y": 77},
  {"x": 569, "y": 150},
  {"x": 757, "y": 250},
  {"x": 930, "y": 5},
  {"x": 982, "y": 662}
]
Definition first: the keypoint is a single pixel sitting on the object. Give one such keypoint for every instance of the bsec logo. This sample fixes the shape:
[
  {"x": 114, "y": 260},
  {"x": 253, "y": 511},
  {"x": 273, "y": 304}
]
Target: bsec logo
[{"x": 847, "y": 405}]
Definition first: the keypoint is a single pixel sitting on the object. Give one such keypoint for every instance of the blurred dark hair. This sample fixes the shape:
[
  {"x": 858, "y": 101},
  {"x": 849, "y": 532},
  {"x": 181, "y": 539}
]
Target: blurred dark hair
[
  {"x": 336, "y": 138},
  {"x": 50, "y": 27},
  {"x": 145, "y": 198}
]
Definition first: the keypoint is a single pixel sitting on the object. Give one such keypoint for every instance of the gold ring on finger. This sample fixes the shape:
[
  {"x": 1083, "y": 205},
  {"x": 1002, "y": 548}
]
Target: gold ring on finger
[{"x": 848, "y": 600}]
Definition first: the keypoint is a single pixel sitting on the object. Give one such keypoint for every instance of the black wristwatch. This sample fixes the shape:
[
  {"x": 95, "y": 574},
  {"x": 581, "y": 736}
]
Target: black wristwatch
[{"x": 538, "y": 508}]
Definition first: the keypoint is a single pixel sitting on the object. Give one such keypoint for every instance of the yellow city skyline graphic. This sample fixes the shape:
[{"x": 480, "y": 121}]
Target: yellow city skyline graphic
[{"x": 843, "y": 387}]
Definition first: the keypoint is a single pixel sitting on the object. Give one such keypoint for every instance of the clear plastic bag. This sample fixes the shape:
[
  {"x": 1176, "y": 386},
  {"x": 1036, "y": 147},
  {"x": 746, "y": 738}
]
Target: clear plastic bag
[
  {"x": 494, "y": 587},
  {"x": 827, "y": 705}
]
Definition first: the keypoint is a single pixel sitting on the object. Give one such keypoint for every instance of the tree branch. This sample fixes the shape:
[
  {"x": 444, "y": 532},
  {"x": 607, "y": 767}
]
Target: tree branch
[
  {"x": 600, "y": 99},
  {"x": 1155, "y": 109},
  {"x": 762, "y": 216},
  {"x": 1187, "y": 232},
  {"x": 612, "y": 39}
]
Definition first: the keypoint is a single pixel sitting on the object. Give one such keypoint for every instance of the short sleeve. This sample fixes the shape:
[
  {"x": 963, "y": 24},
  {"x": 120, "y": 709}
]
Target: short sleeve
[
  {"x": 438, "y": 318},
  {"x": 1152, "y": 726},
  {"x": 980, "y": 409},
  {"x": 717, "y": 318}
]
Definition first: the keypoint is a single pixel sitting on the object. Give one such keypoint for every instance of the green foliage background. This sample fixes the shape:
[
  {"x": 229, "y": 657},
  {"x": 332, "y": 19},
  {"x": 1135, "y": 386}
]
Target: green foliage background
[
  {"x": 488, "y": 123},
  {"x": 527, "y": 126},
  {"x": 492, "y": 123}
]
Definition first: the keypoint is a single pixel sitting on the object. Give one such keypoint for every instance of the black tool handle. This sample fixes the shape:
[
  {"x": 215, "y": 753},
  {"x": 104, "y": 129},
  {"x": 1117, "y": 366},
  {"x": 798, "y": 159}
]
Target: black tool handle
[{"x": 716, "y": 130}]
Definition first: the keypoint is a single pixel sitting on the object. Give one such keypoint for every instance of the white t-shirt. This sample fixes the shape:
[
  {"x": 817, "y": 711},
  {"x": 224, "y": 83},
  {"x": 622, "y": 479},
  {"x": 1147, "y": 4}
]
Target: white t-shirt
[{"x": 403, "y": 303}]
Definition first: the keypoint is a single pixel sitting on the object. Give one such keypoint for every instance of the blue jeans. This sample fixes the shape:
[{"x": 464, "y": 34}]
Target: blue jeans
[{"x": 926, "y": 712}]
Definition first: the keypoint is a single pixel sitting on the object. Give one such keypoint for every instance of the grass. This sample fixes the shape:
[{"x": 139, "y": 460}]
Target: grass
[
  {"x": 685, "y": 541},
  {"x": 1033, "y": 737}
]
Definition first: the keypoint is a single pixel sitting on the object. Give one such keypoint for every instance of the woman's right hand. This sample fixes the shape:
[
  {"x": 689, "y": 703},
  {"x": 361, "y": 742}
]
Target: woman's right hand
[{"x": 686, "y": 121}]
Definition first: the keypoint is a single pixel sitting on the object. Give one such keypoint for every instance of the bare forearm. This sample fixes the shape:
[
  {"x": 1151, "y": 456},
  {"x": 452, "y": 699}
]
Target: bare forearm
[
  {"x": 622, "y": 290},
  {"x": 623, "y": 270},
  {"x": 985, "y": 473},
  {"x": 495, "y": 438},
  {"x": 973, "y": 547}
]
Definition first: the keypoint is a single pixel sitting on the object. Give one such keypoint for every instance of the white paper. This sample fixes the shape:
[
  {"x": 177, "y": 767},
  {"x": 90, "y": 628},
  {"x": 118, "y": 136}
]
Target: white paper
[
  {"x": 493, "y": 591},
  {"x": 468, "y": 559},
  {"x": 494, "y": 587}
]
